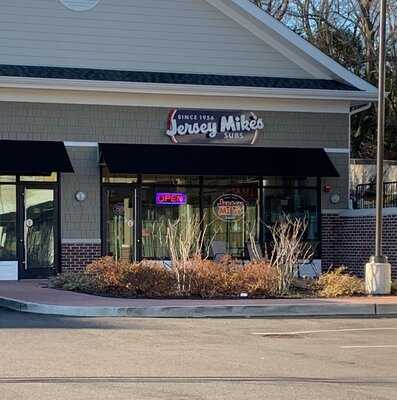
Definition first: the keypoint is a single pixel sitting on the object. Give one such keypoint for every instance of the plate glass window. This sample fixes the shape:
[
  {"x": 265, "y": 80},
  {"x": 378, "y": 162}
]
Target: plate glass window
[{"x": 156, "y": 218}]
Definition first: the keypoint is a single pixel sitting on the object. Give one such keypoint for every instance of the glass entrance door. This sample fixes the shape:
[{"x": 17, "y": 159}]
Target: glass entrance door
[
  {"x": 39, "y": 231},
  {"x": 120, "y": 223}
]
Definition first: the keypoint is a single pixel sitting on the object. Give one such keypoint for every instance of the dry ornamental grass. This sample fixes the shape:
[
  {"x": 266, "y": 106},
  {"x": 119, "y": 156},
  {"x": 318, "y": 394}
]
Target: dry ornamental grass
[{"x": 338, "y": 282}]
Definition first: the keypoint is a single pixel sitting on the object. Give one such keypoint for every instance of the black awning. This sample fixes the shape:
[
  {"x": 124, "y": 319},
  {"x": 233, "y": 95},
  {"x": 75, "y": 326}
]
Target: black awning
[
  {"x": 33, "y": 157},
  {"x": 216, "y": 160}
]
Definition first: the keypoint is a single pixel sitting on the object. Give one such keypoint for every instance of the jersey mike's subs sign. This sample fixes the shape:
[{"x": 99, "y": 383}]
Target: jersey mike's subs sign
[{"x": 212, "y": 127}]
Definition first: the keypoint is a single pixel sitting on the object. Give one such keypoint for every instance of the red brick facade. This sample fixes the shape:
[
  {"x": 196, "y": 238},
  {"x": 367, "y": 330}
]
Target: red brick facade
[
  {"x": 76, "y": 256},
  {"x": 350, "y": 241}
]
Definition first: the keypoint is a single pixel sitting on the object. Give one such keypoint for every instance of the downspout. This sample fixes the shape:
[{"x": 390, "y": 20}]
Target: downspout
[
  {"x": 351, "y": 113},
  {"x": 360, "y": 109}
]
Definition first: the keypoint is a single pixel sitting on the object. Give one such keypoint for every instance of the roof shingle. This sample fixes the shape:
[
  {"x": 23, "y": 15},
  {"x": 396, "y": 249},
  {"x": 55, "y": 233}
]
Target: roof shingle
[{"x": 107, "y": 75}]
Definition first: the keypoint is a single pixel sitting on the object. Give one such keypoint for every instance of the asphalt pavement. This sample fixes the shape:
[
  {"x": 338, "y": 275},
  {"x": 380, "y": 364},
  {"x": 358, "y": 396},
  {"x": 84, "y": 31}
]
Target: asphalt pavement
[{"x": 49, "y": 357}]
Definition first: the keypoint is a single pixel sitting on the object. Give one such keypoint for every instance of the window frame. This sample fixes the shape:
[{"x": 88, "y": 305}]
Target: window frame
[
  {"x": 136, "y": 191},
  {"x": 16, "y": 257}
]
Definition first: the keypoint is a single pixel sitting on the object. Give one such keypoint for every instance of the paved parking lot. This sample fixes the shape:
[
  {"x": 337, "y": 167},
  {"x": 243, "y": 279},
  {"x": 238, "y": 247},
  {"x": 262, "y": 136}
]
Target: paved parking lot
[{"x": 76, "y": 358}]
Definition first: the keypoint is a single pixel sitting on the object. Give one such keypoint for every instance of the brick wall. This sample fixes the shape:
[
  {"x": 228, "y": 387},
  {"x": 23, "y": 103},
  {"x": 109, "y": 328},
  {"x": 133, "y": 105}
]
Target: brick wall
[
  {"x": 349, "y": 240},
  {"x": 76, "y": 256}
]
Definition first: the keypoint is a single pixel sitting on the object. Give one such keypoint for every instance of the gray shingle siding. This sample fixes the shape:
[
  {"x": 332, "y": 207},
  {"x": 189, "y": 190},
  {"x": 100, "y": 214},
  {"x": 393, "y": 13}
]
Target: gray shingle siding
[
  {"x": 187, "y": 36},
  {"x": 81, "y": 220},
  {"x": 147, "y": 125}
]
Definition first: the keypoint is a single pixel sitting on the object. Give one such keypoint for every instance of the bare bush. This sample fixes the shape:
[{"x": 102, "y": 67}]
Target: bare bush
[
  {"x": 289, "y": 249},
  {"x": 186, "y": 243}
]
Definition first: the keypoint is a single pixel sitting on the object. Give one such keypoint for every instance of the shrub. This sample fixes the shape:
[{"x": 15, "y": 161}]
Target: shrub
[
  {"x": 120, "y": 279},
  {"x": 258, "y": 278},
  {"x": 210, "y": 279},
  {"x": 203, "y": 278},
  {"x": 148, "y": 279},
  {"x": 394, "y": 287},
  {"x": 74, "y": 281},
  {"x": 338, "y": 282},
  {"x": 108, "y": 275}
]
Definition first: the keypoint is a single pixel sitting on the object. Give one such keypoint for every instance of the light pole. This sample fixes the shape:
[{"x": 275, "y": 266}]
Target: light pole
[{"x": 378, "y": 270}]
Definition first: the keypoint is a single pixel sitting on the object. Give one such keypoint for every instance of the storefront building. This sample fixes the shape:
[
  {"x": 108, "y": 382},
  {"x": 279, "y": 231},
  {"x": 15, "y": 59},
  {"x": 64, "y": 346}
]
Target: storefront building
[{"x": 120, "y": 117}]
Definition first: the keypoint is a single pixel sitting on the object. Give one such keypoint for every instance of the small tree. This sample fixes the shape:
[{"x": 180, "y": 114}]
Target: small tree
[{"x": 289, "y": 249}]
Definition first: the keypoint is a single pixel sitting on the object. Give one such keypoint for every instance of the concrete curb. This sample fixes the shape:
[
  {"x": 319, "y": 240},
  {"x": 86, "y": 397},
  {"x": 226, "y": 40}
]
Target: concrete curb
[
  {"x": 386, "y": 309},
  {"x": 228, "y": 311}
]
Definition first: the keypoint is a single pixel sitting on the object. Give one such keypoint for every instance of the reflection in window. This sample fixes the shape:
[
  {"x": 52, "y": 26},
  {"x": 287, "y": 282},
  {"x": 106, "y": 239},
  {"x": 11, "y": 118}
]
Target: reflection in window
[
  {"x": 283, "y": 181},
  {"x": 40, "y": 178},
  {"x": 8, "y": 242},
  {"x": 108, "y": 177},
  {"x": 177, "y": 180},
  {"x": 300, "y": 203},
  {"x": 8, "y": 178},
  {"x": 230, "y": 180},
  {"x": 39, "y": 235},
  {"x": 231, "y": 234}
]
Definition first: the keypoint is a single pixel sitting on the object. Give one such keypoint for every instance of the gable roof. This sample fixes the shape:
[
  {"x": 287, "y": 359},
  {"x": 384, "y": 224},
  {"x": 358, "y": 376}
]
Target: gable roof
[
  {"x": 275, "y": 33},
  {"x": 88, "y": 74},
  {"x": 322, "y": 79}
]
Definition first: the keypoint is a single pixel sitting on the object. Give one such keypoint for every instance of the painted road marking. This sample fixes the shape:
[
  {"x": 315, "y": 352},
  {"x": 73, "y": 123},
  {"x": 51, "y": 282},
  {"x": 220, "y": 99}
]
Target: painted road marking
[
  {"x": 386, "y": 346},
  {"x": 323, "y": 331}
]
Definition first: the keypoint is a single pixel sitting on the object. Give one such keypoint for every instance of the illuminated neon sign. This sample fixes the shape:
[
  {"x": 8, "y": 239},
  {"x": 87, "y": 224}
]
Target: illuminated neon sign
[{"x": 171, "y": 199}]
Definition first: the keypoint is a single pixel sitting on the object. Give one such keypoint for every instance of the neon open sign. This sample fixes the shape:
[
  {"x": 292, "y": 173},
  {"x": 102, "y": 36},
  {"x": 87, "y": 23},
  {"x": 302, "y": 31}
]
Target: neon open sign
[{"x": 171, "y": 199}]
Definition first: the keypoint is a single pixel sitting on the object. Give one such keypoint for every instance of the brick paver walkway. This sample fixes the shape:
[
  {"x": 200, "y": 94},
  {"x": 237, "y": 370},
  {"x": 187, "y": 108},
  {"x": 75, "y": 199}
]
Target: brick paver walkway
[{"x": 36, "y": 291}]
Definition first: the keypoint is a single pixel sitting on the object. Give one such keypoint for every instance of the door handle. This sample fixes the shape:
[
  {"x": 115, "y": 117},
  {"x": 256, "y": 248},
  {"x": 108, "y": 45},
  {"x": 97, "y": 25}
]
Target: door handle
[{"x": 25, "y": 247}]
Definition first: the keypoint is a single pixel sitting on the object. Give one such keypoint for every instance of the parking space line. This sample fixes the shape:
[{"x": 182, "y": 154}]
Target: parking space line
[
  {"x": 385, "y": 346},
  {"x": 324, "y": 331}
]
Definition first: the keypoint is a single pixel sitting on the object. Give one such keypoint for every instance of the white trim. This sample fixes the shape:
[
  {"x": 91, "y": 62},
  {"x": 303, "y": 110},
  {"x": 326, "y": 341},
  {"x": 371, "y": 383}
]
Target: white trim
[
  {"x": 80, "y": 144},
  {"x": 191, "y": 90},
  {"x": 337, "y": 151},
  {"x": 174, "y": 100},
  {"x": 301, "y": 48}
]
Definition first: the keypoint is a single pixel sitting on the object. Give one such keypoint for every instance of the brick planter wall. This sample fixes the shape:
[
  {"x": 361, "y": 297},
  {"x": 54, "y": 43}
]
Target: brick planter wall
[
  {"x": 76, "y": 256},
  {"x": 349, "y": 240}
]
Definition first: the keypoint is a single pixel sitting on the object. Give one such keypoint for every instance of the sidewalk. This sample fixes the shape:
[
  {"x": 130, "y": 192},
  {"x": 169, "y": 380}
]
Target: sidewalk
[{"x": 33, "y": 296}]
